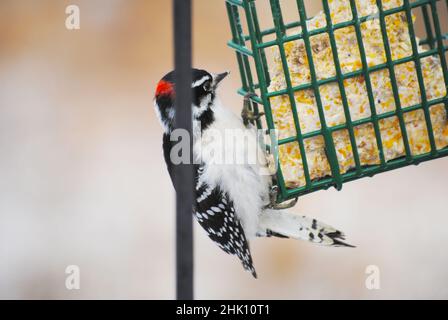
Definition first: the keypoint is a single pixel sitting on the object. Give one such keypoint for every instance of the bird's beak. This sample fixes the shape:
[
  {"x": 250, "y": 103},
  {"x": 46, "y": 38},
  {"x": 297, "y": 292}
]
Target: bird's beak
[{"x": 219, "y": 77}]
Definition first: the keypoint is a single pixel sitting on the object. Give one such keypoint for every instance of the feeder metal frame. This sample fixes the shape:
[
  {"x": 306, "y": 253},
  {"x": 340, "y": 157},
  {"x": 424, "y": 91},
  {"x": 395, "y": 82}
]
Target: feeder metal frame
[{"x": 251, "y": 47}]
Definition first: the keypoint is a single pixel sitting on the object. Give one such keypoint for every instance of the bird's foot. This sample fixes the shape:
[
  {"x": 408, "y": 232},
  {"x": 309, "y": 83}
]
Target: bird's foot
[
  {"x": 248, "y": 115},
  {"x": 273, "y": 193}
]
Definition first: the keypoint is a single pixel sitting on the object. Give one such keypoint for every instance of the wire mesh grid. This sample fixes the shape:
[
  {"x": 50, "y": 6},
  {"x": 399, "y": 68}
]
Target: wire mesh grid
[{"x": 251, "y": 43}]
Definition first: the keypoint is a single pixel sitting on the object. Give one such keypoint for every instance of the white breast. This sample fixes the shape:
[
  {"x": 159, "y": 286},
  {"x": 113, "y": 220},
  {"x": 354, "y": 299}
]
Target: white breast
[{"x": 234, "y": 161}]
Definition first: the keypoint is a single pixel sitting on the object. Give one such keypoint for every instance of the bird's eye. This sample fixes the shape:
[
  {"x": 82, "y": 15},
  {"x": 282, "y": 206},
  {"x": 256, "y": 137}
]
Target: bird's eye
[{"x": 207, "y": 86}]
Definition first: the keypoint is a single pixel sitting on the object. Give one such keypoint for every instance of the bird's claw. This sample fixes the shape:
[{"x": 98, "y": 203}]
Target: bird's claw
[
  {"x": 248, "y": 115},
  {"x": 279, "y": 206}
]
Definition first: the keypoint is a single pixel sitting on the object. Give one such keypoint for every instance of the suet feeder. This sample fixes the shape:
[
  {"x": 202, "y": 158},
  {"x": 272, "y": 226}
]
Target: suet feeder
[{"x": 351, "y": 92}]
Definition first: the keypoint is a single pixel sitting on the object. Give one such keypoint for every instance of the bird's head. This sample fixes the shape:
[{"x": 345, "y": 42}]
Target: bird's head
[{"x": 203, "y": 85}]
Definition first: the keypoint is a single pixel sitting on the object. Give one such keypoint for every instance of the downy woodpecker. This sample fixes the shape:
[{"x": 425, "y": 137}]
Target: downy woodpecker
[{"x": 232, "y": 199}]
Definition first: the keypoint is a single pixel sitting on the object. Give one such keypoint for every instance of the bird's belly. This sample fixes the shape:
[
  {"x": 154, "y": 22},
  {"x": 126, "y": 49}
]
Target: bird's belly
[{"x": 238, "y": 167}]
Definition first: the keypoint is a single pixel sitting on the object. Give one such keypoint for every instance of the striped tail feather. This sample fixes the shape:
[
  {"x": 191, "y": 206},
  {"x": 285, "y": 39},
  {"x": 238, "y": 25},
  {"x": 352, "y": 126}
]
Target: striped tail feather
[{"x": 288, "y": 225}]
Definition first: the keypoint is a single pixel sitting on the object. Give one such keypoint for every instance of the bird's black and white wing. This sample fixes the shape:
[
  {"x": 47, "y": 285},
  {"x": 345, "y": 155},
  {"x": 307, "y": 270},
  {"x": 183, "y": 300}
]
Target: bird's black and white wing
[{"x": 216, "y": 214}]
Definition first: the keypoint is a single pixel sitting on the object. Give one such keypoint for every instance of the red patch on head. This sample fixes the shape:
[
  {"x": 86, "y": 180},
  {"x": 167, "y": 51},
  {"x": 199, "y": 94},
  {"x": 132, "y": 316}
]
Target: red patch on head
[{"x": 164, "y": 88}]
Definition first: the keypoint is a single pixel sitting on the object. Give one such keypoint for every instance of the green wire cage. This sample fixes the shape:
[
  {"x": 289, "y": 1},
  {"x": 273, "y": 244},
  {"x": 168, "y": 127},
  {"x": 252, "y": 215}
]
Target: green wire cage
[{"x": 252, "y": 41}]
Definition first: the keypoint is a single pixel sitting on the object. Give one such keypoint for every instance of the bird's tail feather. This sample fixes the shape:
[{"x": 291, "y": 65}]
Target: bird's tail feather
[{"x": 288, "y": 225}]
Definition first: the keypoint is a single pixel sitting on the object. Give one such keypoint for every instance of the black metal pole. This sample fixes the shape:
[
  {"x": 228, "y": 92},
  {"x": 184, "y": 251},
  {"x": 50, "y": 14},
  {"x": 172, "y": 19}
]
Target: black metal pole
[{"x": 184, "y": 176}]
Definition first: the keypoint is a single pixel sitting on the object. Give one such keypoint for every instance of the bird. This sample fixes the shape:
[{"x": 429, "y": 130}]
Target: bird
[{"x": 233, "y": 202}]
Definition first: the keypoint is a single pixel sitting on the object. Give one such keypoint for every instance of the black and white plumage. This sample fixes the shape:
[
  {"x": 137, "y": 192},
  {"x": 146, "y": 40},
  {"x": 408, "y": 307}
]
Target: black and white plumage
[
  {"x": 215, "y": 212},
  {"x": 231, "y": 197}
]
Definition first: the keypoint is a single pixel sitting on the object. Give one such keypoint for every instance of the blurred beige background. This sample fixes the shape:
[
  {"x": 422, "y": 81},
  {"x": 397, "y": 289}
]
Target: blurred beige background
[{"x": 83, "y": 182}]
